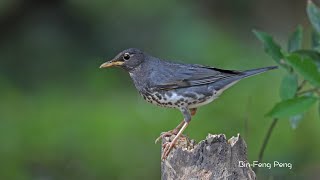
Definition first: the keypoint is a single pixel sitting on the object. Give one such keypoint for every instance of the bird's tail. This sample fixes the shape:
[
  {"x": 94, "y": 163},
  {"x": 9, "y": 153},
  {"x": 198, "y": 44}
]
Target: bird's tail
[
  {"x": 252, "y": 72},
  {"x": 228, "y": 82}
]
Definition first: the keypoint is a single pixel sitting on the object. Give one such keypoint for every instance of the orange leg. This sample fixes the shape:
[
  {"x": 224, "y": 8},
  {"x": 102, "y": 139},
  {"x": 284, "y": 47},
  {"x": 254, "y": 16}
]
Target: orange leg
[
  {"x": 171, "y": 132},
  {"x": 187, "y": 118},
  {"x": 175, "y": 130},
  {"x": 168, "y": 146}
]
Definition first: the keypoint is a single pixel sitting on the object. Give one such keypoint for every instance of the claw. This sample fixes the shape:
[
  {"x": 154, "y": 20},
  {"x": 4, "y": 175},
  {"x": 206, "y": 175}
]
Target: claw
[
  {"x": 169, "y": 145},
  {"x": 166, "y": 134},
  {"x": 170, "y": 133},
  {"x": 165, "y": 144},
  {"x": 167, "y": 148}
]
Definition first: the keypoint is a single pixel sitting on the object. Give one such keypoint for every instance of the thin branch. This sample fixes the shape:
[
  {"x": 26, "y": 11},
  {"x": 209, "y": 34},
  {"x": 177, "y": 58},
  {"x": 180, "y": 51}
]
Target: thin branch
[
  {"x": 265, "y": 142},
  {"x": 273, "y": 124}
]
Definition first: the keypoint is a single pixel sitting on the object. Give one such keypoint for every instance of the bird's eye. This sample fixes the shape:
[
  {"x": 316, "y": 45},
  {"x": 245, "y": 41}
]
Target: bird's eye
[{"x": 126, "y": 56}]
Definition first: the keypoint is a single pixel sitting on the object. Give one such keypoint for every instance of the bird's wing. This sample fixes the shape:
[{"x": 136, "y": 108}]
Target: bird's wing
[{"x": 181, "y": 76}]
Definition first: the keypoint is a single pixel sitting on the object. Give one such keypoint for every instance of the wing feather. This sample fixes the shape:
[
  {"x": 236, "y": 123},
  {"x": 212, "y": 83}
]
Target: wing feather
[{"x": 195, "y": 75}]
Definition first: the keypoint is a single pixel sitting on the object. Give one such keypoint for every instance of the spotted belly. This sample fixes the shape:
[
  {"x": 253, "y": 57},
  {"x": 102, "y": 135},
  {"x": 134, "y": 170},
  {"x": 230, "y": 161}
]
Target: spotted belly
[{"x": 171, "y": 99}]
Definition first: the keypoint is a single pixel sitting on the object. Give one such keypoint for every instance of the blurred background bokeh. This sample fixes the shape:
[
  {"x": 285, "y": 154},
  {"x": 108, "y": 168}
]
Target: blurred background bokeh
[{"x": 61, "y": 117}]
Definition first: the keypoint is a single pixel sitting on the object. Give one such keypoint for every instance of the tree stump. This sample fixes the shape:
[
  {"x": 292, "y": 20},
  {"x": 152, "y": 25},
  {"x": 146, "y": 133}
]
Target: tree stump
[{"x": 212, "y": 158}]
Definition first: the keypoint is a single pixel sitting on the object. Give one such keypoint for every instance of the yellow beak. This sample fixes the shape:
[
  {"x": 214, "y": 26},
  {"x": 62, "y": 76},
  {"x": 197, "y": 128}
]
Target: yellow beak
[{"x": 111, "y": 63}]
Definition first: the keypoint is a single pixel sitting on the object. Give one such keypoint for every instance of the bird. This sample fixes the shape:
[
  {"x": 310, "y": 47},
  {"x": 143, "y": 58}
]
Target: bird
[{"x": 182, "y": 86}]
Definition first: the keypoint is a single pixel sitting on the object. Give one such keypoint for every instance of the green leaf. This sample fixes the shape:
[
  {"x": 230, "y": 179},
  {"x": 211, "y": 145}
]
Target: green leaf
[
  {"x": 295, "y": 39},
  {"x": 315, "y": 40},
  {"x": 314, "y": 15},
  {"x": 295, "y": 120},
  {"x": 305, "y": 67},
  {"x": 292, "y": 107},
  {"x": 289, "y": 86},
  {"x": 308, "y": 53},
  {"x": 314, "y": 55},
  {"x": 270, "y": 47}
]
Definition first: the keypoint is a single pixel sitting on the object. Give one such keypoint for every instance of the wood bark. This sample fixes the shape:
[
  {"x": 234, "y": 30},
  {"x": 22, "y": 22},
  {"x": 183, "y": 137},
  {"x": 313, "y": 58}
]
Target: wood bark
[{"x": 212, "y": 158}]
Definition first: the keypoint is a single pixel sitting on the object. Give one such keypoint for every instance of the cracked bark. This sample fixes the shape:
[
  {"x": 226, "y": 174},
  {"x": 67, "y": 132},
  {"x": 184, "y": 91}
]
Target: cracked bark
[{"x": 212, "y": 158}]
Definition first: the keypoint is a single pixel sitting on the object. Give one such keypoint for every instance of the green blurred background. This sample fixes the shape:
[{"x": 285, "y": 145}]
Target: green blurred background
[{"x": 61, "y": 117}]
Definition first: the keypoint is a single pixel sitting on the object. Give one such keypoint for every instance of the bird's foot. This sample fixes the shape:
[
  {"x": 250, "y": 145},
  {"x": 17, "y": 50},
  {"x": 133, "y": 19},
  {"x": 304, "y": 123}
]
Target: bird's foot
[
  {"x": 167, "y": 134},
  {"x": 167, "y": 147}
]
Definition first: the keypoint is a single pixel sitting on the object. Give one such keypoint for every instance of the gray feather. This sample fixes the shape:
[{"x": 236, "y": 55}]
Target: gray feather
[{"x": 168, "y": 75}]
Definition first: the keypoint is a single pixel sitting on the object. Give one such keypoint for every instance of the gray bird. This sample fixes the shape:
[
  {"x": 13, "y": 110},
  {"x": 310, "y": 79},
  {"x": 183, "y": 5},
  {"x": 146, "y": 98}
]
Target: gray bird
[{"x": 176, "y": 85}]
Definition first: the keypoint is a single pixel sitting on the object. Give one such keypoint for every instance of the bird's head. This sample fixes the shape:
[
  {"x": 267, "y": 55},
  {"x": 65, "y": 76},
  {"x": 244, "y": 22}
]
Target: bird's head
[{"x": 128, "y": 59}]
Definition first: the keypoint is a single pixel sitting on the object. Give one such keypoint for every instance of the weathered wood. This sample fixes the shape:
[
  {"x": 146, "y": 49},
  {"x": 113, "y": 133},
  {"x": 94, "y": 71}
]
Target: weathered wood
[{"x": 213, "y": 158}]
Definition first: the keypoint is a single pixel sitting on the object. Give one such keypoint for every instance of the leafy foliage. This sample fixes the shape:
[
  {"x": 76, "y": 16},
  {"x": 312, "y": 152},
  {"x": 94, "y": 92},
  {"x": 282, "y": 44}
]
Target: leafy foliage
[
  {"x": 300, "y": 87},
  {"x": 305, "y": 67},
  {"x": 270, "y": 47},
  {"x": 311, "y": 54},
  {"x": 291, "y": 107},
  {"x": 295, "y": 39},
  {"x": 289, "y": 86},
  {"x": 314, "y": 15},
  {"x": 315, "y": 40}
]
